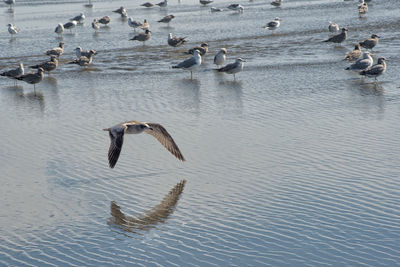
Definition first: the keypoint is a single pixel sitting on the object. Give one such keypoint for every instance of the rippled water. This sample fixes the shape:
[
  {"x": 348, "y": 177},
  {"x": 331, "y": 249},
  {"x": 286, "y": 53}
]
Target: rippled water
[{"x": 295, "y": 163}]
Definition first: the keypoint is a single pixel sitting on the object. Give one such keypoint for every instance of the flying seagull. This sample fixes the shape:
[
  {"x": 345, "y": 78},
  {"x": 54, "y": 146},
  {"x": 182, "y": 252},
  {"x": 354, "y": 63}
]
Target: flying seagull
[{"x": 135, "y": 127}]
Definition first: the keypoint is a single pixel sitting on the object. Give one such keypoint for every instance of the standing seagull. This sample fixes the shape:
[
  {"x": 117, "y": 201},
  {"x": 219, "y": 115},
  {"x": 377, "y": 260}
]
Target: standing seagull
[
  {"x": 167, "y": 19},
  {"x": 145, "y": 25},
  {"x": 14, "y": 72},
  {"x": 84, "y": 61},
  {"x": 206, "y": 2},
  {"x": 95, "y": 25},
  {"x": 12, "y": 29},
  {"x": 233, "y": 68},
  {"x": 220, "y": 57},
  {"x": 163, "y": 3},
  {"x": 142, "y": 37},
  {"x": 147, "y": 4},
  {"x": 135, "y": 127},
  {"x": 134, "y": 24},
  {"x": 236, "y": 7},
  {"x": 86, "y": 53},
  {"x": 191, "y": 63},
  {"x": 339, "y": 37},
  {"x": 176, "y": 41},
  {"x": 59, "y": 29},
  {"x": 70, "y": 25},
  {"x": 363, "y": 63},
  {"x": 104, "y": 20},
  {"x": 273, "y": 25},
  {"x": 377, "y": 69},
  {"x": 370, "y": 42},
  {"x": 333, "y": 27},
  {"x": 47, "y": 65},
  {"x": 354, "y": 54},
  {"x": 10, "y": 3},
  {"x": 203, "y": 49},
  {"x": 79, "y": 19},
  {"x": 120, "y": 10},
  {"x": 32, "y": 78},
  {"x": 276, "y": 3},
  {"x": 57, "y": 51}
]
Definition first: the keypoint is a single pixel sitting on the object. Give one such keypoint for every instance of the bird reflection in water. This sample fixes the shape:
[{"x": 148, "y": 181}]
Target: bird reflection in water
[{"x": 148, "y": 220}]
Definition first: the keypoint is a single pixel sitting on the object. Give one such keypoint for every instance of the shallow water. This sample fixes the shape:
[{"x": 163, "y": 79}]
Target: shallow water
[{"x": 294, "y": 163}]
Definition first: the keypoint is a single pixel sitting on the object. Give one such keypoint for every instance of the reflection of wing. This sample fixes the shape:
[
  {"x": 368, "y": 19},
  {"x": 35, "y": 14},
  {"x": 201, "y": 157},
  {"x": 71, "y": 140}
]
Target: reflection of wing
[
  {"x": 161, "y": 134},
  {"x": 158, "y": 214}
]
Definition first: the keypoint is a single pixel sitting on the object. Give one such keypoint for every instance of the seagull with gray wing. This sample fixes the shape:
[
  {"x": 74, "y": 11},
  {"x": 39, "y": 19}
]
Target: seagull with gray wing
[
  {"x": 233, "y": 68},
  {"x": 14, "y": 72},
  {"x": 118, "y": 131},
  {"x": 191, "y": 63},
  {"x": 370, "y": 42},
  {"x": 363, "y": 63},
  {"x": 273, "y": 25},
  {"x": 339, "y": 37},
  {"x": 176, "y": 41},
  {"x": 376, "y": 70}
]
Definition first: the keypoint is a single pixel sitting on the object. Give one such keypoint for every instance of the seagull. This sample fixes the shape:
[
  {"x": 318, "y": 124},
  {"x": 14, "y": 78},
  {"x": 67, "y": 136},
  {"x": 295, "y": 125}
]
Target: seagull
[
  {"x": 134, "y": 24},
  {"x": 9, "y": 2},
  {"x": 236, "y": 7},
  {"x": 59, "y": 29},
  {"x": 147, "y": 4},
  {"x": 104, "y": 20},
  {"x": 14, "y": 72},
  {"x": 203, "y": 49},
  {"x": 206, "y": 2},
  {"x": 120, "y": 10},
  {"x": 135, "y": 127},
  {"x": 12, "y": 29},
  {"x": 362, "y": 7},
  {"x": 273, "y": 25},
  {"x": 233, "y": 68},
  {"x": 377, "y": 69},
  {"x": 354, "y": 54},
  {"x": 333, "y": 27},
  {"x": 70, "y": 25},
  {"x": 79, "y": 19},
  {"x": 163, "y": 3},
  {"x": 363, "y": 63},
  {"x": 166, "y": 19},
  {"x": 176, "y": 41},
  {"x": 95, "y": 25},
  {"x": 339, "y": 37},
  {"x": 47, "y": 65},
  {"x": 142, "y": 37},
  {"x": 145, "y": 25},
  {"x": 214, "y": 9},
  {"x": 370, "y": 42},
  {"x": 86, "y": 53},
  {"x": 220, "y": 57},
  {"x": 191, "y": 63},
  {"x": 276, "y": 3},
  {"x": 32, "y": 78},
  {"x": 57, "y": 51},
  {"x": 84, "y": 61}
]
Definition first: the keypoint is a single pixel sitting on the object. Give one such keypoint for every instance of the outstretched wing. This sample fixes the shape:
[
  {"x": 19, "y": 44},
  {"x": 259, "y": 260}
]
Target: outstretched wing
[
  {"x": 117, "y": 139},
  {"x": 161, "y": 134}
]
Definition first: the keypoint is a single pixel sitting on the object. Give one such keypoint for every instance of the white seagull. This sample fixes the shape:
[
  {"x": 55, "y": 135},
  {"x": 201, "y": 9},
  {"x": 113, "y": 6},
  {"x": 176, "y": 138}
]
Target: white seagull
[
  {"x": 118, "y": 131},
  {"x": 12, "y": 29},
  {"x": 220, "y": 57},
  {"x": 333, "y": 27},
  {"x": 273, "y": 25},
  {"x": 363, "y": 63},
  {"x": 233, "y": 68},
  {"x": 191, "y": 63},
  {"x": 59, "y": 29}
]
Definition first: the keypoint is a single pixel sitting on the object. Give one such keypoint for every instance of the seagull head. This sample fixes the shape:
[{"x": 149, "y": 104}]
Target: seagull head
[
  {"x": 375, "y": 36},
  {"x": 381, "y": 60},
  {"x": 144, "y": 126},
  {"x": 40, "y": 70},
  {"x": 223, "y": 50},
  {"x": 61, "y": 44},
  {"x": 344, "y": 30},
  {"x": 204, "y": 45},
  {"x": 9, "y": 25},
  {"x": 277, "y": 19},
  {"x": 78, "y": 48},
  {"x": 240, "y": 60}
]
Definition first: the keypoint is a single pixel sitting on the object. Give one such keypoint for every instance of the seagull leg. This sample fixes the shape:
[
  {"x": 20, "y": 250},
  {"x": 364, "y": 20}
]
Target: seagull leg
[
  {"x": 191, "y": 75},
  {"x": 234, "y": 78}
]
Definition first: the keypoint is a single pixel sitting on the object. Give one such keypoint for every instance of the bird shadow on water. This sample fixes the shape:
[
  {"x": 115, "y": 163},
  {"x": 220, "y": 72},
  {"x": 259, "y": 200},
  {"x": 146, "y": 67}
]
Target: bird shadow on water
[
  {"x": 366, "y": 87},
  {"x": 31, "y": 99},
  {"x": 150, "y": 219}
]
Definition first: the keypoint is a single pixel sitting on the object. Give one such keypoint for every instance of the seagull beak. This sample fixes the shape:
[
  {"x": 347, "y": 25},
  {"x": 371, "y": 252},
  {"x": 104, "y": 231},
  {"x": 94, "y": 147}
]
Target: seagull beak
[{"x": 107, "y": 129}]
